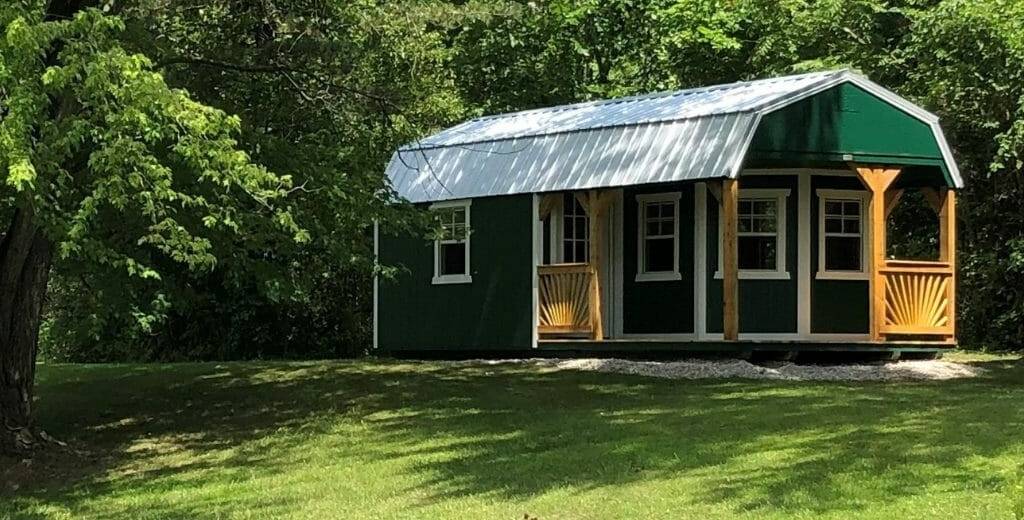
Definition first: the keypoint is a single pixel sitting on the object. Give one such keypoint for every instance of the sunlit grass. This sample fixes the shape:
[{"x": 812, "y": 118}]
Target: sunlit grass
[{"x": 383, "y": 439}]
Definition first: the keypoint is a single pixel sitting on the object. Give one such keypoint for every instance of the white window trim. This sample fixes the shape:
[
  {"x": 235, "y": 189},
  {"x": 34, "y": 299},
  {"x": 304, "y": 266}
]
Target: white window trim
[
  {"x": 865, "y": 231},
  {"x": 780, "y": 272},
  {"x": 658, "y": 276},
  {"x": 440, "y": 279}
]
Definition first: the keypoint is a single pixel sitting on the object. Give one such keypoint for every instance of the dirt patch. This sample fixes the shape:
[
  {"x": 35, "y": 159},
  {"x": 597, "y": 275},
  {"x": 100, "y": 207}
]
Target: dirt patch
[{"x": 739, "y": 369}]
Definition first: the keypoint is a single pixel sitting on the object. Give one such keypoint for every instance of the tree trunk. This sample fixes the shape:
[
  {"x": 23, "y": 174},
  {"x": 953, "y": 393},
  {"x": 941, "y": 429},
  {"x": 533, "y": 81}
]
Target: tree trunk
[{"x": 25, "y": 257}]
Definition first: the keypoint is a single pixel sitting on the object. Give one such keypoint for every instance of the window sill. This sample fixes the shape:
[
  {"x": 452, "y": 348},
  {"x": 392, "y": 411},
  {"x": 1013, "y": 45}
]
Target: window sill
[
  {"x": 842, "y": 275},
  {"x": 758, "y": 275},
  {"x": 658, "y": 277},
  {"x": 452, "y": 279}
]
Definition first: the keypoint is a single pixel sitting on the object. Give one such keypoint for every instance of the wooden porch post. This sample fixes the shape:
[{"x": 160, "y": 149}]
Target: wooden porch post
[
  {"x": 730, "y": 261},
  {"x": 595, "y": 209},
  {"x": 947, "y": 249},
  {"x": 877, "y": 180}
]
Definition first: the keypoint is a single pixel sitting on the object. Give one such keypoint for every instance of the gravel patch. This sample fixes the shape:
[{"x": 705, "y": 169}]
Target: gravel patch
[{"x": 740, "y": 369}]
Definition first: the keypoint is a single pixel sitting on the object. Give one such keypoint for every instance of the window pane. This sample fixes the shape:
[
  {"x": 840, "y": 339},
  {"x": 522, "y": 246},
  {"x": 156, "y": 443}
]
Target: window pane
[
  {"x": 833, "y": 207},
  {"x": 458, "y": 232},
  {"x": 546, "y": 241},
  {"x": 842, "y": 253},
  {"x": 667, "y": 210},
  {"x": 833, "y": 225},
  {"x": 458, "y": 215},
  {"x": 756, "y": 252},
  {"x": 764, "y": 225},
  {"x": 851, "y": 208},
  {"x": 744, "y": 225},
  {"x": 659, "y": 255},
  {"x": 581, "y": 228},
  {"x": 851, "y": 225},
  {"x": 744, "y": 207},
  {"x": 653, "y": 228},
  {"x": 568, "y": 231},
  {"x": 453, "y": 258}
]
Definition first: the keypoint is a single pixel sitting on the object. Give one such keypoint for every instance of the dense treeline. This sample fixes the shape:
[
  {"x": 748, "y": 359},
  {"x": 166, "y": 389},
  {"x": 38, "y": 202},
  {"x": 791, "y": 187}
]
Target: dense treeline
[{"x": 325, "y": 90}]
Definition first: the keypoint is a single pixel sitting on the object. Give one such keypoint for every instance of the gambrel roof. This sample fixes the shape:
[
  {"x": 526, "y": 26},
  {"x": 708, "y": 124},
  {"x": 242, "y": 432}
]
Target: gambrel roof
[{"x": 701, "y": 133}]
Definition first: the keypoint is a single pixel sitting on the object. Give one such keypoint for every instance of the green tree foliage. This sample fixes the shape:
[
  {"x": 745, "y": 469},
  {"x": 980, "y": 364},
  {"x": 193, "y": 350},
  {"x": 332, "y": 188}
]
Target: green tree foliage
[
  {"x": 325, "y": 92},
  {"x": 105, "y": 167}
]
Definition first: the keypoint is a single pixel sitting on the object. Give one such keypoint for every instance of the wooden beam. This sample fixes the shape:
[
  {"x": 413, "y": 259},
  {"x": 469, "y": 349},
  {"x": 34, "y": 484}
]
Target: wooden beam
[
  {"x": 584, "y": 200},
  {"x": 892, "y": 199},
  {"x": 935, "y": 200},
  {"x": 715, "y": 188},
  {"x": 547, "y": 204},
  {"x": 877, "y": 180},
  {"x": 730, "y": 261},
  {"x": 595, "y": 210},
  {"x": 947, "y": 249}
]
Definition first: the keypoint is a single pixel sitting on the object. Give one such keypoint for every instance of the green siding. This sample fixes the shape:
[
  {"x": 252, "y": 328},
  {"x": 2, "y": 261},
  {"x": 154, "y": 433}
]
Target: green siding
[
  {"x": 766, "y": 306},
  {"x": 492, "y": 312},
  {"x": 657, "y": 307},
  {"x": 837, "y": 306}
]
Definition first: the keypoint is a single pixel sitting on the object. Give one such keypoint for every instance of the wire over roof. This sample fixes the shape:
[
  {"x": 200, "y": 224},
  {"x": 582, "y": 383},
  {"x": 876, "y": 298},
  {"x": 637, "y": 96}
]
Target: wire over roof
[{"x": 700, "y": 133}]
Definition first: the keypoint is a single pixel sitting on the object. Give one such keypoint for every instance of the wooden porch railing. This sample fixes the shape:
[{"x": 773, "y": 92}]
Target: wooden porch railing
[
  {"x": 918, "y": 298},
  {"x": 565, "y": 298}
]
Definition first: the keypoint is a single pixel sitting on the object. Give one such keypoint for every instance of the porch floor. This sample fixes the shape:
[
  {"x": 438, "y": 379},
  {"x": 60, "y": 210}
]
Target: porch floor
[{"x": 640, "y": 346}]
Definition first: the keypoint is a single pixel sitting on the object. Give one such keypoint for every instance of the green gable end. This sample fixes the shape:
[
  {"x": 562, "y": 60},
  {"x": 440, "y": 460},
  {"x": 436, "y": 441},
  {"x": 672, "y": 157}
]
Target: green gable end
[{"x": 845, "y": 119}]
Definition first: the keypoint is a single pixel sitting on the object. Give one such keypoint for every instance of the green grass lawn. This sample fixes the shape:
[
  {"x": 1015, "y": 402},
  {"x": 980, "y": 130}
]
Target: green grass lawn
[{"x": 388, "y": 439}]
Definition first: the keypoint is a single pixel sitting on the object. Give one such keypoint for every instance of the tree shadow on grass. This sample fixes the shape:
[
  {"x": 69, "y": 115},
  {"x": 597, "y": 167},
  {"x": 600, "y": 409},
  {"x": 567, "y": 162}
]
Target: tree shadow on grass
[{"x": 511, "y": 432}]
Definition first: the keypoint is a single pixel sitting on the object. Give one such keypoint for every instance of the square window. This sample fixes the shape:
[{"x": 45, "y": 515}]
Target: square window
[
  {"x": 841, "y": 242},
  {"x": 758, "y": 234}
]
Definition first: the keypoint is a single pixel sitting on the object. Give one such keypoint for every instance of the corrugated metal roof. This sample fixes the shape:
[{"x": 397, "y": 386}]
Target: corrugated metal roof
[{"x": 685, "y": 135}]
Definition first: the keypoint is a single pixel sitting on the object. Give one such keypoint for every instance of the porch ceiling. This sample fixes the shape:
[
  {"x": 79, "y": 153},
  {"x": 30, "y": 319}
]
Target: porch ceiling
[{"x": 685, "y": 135}]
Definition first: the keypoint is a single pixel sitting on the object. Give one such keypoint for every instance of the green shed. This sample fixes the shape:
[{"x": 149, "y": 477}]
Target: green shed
[{"x": 746, "y": 216}]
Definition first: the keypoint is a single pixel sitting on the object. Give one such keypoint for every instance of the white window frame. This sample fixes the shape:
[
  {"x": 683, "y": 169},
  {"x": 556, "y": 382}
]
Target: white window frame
[
  {"x": 780, "y": 272},
  {"x": 642, "y": 201},
  {"x": 440, "y": 279},
  {"x": 865, "y": 230}
]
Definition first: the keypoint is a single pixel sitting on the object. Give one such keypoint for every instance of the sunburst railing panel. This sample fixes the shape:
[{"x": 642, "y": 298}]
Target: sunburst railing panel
[
  {"x": 564, "y": 298},
  {"x": 917, "y": 298}
]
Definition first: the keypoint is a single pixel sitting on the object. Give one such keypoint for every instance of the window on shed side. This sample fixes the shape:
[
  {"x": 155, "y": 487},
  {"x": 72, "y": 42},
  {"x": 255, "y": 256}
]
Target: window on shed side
[
  {"x": 758, "y": 234},
  {"x": 658, "y": 237},
  {"x": 451, "y": 248},
  {"x": 843, "y": 236},
  {"x": 575, "y": 231}
]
